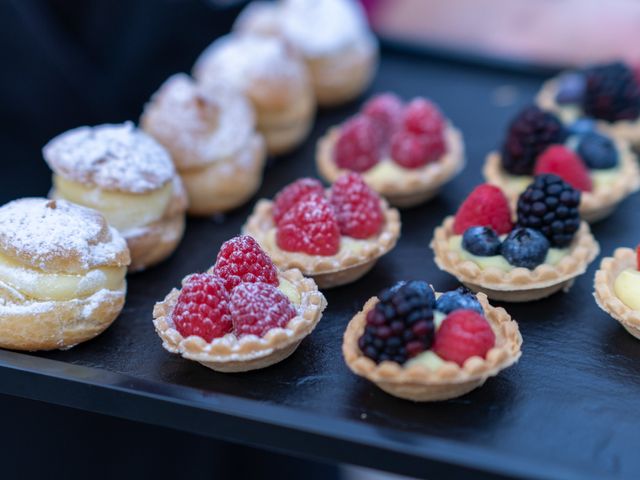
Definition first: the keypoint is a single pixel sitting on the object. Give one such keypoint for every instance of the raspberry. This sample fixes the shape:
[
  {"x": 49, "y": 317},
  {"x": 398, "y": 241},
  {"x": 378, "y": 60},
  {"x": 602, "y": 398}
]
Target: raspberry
[
  {"x": 357, "y": 207},
  {"x": 463, "y": 334},
  {"x": 242, "y": 260},
  {"x": 612, "y": 93},
  {"x": 202, "y": 308},
  {"x": 310, "y": 227},
  {"x": 256, "y": 308},
  {"x": 359, "y": 144},
  {"x": 567, "y": 165},
  {"x": 411, "y": 150},
  {"x": 293, "y": 193},
  {"x": 387, "y": 110},
  {"x": 486, "y": 206},
  {"x": 422, "y": 116}
]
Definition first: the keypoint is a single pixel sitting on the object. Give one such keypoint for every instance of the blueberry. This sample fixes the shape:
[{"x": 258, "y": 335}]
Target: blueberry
[
  {"x": 458, "y": 299},
  {"x": 571, "y": 88},
  {"x": 597, "y": 151},
  {"x": 481, "y": 241},
  {"x": 525, "y": 247},
  {"x": 423, "y": 289},
  {"x": 582, "y": 126}
]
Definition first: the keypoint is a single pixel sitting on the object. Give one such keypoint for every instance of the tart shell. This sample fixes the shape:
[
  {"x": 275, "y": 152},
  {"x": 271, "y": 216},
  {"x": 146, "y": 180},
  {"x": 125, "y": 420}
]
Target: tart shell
[
  {"x": 230, "y": 354},
  {"x": 421, "y": 384}
]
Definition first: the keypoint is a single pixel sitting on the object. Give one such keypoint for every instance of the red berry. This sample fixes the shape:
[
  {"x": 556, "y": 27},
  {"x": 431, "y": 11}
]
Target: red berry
[
  {"x": 202, "y": 308},
  {"x": 357, "y": 207},
  {"x": 386, "y": 109},
  {"x": 293, "y": 193},
  {"x": 256, "y": 308},
  {"x": 310, "y": 227},
  {"x": 566, "y": 164},
  {"x": 359, "y": 144},
  {"x": 486, "y": 206},
  {"x": 412, "y": 150},
  {"x": 424, "y": 117},
  {"x": 242, "y": 260},
  {"x": 463, "y": 334}
]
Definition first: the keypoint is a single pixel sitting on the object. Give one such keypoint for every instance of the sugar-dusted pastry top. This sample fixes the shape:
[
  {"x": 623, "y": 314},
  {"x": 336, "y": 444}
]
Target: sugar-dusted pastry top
[
  {"x": 58, "y": 236},
  {"x": 111, "y": 157},
  {"x": 199, "y": 126}
]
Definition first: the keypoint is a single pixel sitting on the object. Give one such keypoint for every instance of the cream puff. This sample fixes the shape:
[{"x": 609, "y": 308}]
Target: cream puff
[
  {"x": 129, "y": 178},
  {"x": 333, "y": 37},
  {"x": 62, "y": 274},
  {"x": 211, "y": 136},
  {"x": 272, "y": 76}
]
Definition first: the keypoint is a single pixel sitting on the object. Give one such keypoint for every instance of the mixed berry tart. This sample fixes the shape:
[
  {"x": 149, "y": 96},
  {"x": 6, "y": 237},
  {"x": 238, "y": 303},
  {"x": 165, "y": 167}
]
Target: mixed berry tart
[
  {"x": 334, "y": 235},
  {"x": 608, "y": 93},
  {"x": 405, "y": 152},
  {"x": 423, "y": 346},
  {"x": 617, "y": 288},
  {"x": 242, "y": 314},
  {"x": 601, "y": 166},
  {"x": 540, "y": 253}
]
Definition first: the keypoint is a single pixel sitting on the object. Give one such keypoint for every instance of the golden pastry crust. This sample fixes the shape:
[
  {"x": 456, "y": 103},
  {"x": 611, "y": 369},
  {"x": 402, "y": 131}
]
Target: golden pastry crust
[
  {"x": 605, "y": 295},
  {"x": 419, "y": 383},
  {"x": 415, "y": 186},
  {"x": 230, "y": 354},
  {"x": 595, "y": 205},
  {"x": 519, "y": 284},
  {"x": 328, "y": 271}
]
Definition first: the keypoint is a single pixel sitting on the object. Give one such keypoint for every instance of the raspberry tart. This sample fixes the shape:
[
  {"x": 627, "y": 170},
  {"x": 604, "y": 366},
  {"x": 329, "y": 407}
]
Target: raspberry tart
[
  {"x": 242, "y": 314},
  {"x": 617, "y": 288},
  {"x": 334, "y": 236},
  {"x": 608, "y": 93},
  {"x": 542, "y": 253},
  {"x": 422, "y": 346},
  {"x": 602, "y": 167},
  {"x": 404, "y": 152}
]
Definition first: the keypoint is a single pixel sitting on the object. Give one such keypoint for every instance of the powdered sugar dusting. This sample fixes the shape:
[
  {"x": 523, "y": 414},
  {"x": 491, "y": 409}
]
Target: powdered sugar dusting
[{"x": 113, "y": 157}]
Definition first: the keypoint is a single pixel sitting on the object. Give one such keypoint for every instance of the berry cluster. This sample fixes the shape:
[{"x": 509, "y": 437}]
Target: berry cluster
[
  {"x": 412, "y": 135},
  {"x": 310, "y": 221}
]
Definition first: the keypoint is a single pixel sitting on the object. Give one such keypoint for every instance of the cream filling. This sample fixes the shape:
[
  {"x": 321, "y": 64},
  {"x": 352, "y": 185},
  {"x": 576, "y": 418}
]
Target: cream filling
[
  {"x": 290, "y": 291},
  {"x": 600, "y": 178},
  {"x": 384, "y": 171},
  {"x": 627, "y": 288},
  {"x": 346, "y": 244},
  {"x": 554, "y": 255},
  {"x": 123, "y": 211}
]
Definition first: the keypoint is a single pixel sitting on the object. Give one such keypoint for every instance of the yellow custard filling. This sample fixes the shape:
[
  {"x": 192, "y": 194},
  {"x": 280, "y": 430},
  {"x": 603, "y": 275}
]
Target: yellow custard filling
[
  {"x": 554, "y": 255},
  {"x": 39, "y": 285},
  {"x": 290, "y": 291},
  {"x": 627, "y": 288},
  {"x": 601, "y": 179},
  {"x": 384, "y": 171},
  {"x": 123, "y": 211}
]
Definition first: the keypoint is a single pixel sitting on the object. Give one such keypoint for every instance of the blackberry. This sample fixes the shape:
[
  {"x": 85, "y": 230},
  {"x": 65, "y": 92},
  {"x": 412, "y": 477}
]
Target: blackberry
[
  {"x": 530, "y": 133},
  {"x": 550, "y": 205},
  {"x": 612, "y": 93},
  {"x": 400, "y": 326}
]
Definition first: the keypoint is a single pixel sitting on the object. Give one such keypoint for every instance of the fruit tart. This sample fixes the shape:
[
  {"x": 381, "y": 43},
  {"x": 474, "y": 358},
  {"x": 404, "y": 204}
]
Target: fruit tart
[
  {"x": 422, "y": 346},
  {"x": 608, "y": 93},
  {"x": 617, "y": 288},
  {"x": 602, "y": 167},
  {"x": 334, "y": 236},
  {"x": 542, "y": 253},
  {"x": 404, "y": 152},
  {"x": 242, "y": 314}
]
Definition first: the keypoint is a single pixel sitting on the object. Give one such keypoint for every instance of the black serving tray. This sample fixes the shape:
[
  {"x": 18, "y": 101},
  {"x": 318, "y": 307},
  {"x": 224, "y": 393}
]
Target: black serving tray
[{"x": 568, "y": 409}]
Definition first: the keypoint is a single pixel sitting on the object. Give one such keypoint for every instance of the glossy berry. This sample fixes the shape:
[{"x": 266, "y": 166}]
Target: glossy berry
[
  {"x": 582, "y": 126},
  {"x": 310, "y": 226},
  {"x": 386, "y": 109},
  {"x": 413, "y": 150},
  {"x": 256, "y": 308},
  {"x": 597, "y": 151},
  {"x": 550, "y": 205},
  {"x": 202, "y": 308},
  {"x": 481, "y": 241},
  {"x": 462, "y": 335},
  {"x": 242, "y": 260},
  {"x": 400, "y": 326},
  {"x": 422, "y": 116},
  {"x": 357, "y": 207},
  {"x": 529, "y": 134},
  {"x": 525, "y": 247},
  {"x": 612, "y": 93},
  {"x": 486, "y": 206},
  {"x": 460, "y": 298},
  {"x": 561, "y": 161},
  {"x": 571, "y": 88},
  {"x": 359, "y": 145},
  {"x": 293, "y": 193}
]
